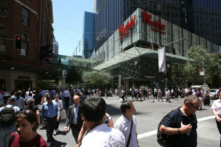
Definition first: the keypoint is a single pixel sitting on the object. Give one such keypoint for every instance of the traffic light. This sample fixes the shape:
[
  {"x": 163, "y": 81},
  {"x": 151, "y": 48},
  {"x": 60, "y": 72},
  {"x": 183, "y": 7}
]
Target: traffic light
[
  {"x": 18, "y": 42},
  {"x": 164, "y": 75}
]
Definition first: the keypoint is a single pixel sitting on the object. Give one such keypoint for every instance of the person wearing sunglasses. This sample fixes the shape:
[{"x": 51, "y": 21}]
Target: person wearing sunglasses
[
  {"x": 180, "y": 124},
  {"x": 26, "y": 135}
]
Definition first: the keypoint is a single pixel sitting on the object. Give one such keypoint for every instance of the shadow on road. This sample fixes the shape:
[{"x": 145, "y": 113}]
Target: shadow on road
[
  {"x": 62, "y": 133},
  {"x": 58, "y": 144}
]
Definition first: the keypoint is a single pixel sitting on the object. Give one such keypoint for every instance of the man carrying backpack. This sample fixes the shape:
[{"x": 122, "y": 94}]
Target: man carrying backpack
[
  {"x": 7, "y": 118},
  {"x": 178, "y": 128}
]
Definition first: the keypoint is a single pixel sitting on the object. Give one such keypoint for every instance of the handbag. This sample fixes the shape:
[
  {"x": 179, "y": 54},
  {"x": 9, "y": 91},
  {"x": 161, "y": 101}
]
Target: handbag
[{"x": 63, "y": 114}]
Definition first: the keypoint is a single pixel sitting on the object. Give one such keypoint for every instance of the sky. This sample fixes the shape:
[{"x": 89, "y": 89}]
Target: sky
[{"x": 68, "y": 23}]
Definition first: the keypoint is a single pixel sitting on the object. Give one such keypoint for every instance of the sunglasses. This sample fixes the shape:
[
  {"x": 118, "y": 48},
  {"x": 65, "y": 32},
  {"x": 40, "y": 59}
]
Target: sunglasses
[
  {"x": 25, "y": 112},
  {"x": 196, "y": 107}
]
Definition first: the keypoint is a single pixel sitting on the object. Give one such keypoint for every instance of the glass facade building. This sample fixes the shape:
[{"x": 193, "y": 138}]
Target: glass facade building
[
  {"x": 109, "y": 18},
  {"x": 201, "y": 17},
  {"x": 134, "y": 54},
  {"x": 89, "y": 37}
]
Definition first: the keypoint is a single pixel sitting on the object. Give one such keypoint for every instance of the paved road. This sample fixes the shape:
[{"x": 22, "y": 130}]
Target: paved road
[{"x": 148, "y": 116}]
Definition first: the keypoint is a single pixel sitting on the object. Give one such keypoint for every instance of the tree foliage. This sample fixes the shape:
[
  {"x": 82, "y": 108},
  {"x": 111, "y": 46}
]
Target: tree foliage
[
  {"x": 73, "y": 75},
  {"x": 99, "y": 78},
  {"x": 200, "y": 58}
]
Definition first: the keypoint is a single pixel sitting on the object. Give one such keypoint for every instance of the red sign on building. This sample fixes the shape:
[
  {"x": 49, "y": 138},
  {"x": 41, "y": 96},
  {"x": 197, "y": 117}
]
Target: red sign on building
[
  {"x": 158, "y": 27},
  {"x": 124, "y": 30}
]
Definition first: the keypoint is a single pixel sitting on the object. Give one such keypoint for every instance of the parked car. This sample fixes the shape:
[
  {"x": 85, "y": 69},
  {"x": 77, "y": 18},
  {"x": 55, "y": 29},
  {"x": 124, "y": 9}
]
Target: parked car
[{"x": 213, "y": 93}]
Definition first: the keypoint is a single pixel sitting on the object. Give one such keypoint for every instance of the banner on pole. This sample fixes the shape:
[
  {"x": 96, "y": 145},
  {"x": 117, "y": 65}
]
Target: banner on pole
[
  {"x": 201, "y": 72},
  {"x": 162, "y": 59}
]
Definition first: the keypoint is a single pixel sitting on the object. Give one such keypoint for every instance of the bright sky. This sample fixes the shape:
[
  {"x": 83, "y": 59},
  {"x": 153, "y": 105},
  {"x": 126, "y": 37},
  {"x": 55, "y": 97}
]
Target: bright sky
[{"x": 68, "y": 23}]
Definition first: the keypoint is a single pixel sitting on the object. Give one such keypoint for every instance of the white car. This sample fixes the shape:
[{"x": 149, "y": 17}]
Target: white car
[{"x": 213, "y": 93}]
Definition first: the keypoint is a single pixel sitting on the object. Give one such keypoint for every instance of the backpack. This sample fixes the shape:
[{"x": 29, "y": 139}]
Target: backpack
[
  {"x": 7, "y": 116},
  {"x": 163, "y": 139}
]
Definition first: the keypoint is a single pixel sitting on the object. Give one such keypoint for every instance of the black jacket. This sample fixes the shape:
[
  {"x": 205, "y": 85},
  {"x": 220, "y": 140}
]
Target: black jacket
[{"x": 70, "y": 116}]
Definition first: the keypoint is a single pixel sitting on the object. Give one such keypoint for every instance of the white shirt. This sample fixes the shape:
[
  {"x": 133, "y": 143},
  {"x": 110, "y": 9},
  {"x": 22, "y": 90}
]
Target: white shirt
[
  {"x": 186, "y": 90},
  {"x": 217, "y": 106},
  {"x": 27, "y": 93},
  {"x": 155, "y": 90},
  {"x": 168, "y": 92},
  {"x": 67, "y": 94},
  {"x": 124, "y": 126},
  {"x": 104, "y": 136},
  {"x": 59, "y": 102},
  {"x": 75, "y": 118}
]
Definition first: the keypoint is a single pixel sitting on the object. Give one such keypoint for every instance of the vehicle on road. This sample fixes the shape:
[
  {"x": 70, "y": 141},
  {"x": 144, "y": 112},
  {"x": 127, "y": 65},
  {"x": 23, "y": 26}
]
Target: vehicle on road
[
  {"x": 213, "y": 93},
  {"x": 205, "y": 87}
]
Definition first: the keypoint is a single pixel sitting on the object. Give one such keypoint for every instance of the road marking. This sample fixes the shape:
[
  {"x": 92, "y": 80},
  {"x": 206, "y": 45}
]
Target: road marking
[
  {"x": 140, "y": 136},
  {"x": 206, "y": 118}
]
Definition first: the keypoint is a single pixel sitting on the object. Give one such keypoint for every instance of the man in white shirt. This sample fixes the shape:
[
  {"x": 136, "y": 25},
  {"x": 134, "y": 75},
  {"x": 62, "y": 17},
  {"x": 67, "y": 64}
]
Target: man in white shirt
[
  {"x": 27, "y": 92},
  {"x": 186, "y": 91},
  {"x": 155, "y": 92},
  {"x": 217, "y": 112},
  {"x": 167, "y": 95},
  {"x": 127, "y": 124},
  {"x": 67, "y": 98},
  {"x": 93, "y": 111}
]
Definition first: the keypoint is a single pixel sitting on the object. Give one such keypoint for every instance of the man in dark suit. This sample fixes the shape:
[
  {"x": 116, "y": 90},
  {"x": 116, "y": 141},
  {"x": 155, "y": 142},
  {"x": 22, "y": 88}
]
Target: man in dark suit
[{"x": 74, "y": 120}]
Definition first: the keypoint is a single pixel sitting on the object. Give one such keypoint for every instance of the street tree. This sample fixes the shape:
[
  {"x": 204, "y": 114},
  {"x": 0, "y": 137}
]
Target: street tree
[
  {"x": 200, "y": 58},
  {"x": 73, "y": 76},
  {"x": 99, "y": 78}
]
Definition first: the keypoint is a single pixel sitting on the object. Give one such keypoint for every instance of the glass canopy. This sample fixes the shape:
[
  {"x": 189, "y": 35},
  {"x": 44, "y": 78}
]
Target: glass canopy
[{"x": 136, "y": 52}]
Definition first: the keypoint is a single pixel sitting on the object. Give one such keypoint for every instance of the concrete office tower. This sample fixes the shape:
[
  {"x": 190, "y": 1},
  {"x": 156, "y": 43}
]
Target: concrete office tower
[
  {"x": 55, "y": 46},
  {"x": 89, "y": 37}
]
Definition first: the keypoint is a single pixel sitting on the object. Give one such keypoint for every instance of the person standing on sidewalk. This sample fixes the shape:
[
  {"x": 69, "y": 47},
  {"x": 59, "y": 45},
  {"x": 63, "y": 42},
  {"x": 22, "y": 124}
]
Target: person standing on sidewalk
[
  {"x": 155, "y": 92},
  {"x": 60, "y": 105},
  {"x": 159, "y": 95},
  {"x": 50, "y": 114},
  {"x": 167, "y": 95},
  {"x": 217, "y": 112},
  {"x": 127, "y": 124},
  {"x": 67, "y": 98}
]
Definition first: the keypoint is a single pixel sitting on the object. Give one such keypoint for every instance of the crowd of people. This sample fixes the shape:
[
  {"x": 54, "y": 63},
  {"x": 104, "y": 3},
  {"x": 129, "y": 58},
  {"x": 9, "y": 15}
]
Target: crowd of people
[{"x": 89, "y": 121}]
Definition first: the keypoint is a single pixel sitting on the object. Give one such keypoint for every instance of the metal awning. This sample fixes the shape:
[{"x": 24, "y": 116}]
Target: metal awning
[{"x": 136, "y": 52}]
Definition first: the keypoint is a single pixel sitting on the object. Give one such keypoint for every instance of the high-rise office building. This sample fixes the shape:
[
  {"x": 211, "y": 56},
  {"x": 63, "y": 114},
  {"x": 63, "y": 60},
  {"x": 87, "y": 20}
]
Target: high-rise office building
[
  {"x": 89, "y": 37},
  {"x": 201, "y": 17},
  {"x": 109, "y": 18},
  {"x": 55, "y": 46}
]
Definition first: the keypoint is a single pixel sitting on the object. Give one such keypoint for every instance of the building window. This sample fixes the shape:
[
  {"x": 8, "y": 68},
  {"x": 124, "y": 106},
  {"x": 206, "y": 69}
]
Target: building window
[
  {"x": 2, "y": 43},
  {"x": 24, "y": 47},
  {"x": 3, "y": 12},
  {"x": 25, "y": 16}
]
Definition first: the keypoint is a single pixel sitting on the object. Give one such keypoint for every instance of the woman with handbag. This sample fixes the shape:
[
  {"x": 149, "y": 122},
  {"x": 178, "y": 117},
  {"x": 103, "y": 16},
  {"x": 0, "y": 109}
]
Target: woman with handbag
[{"x": 60, "y": 104}]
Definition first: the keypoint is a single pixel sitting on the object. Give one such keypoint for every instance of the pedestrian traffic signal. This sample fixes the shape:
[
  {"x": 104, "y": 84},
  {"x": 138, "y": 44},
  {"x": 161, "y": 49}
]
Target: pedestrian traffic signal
[{"x": 18, "y": 42}]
